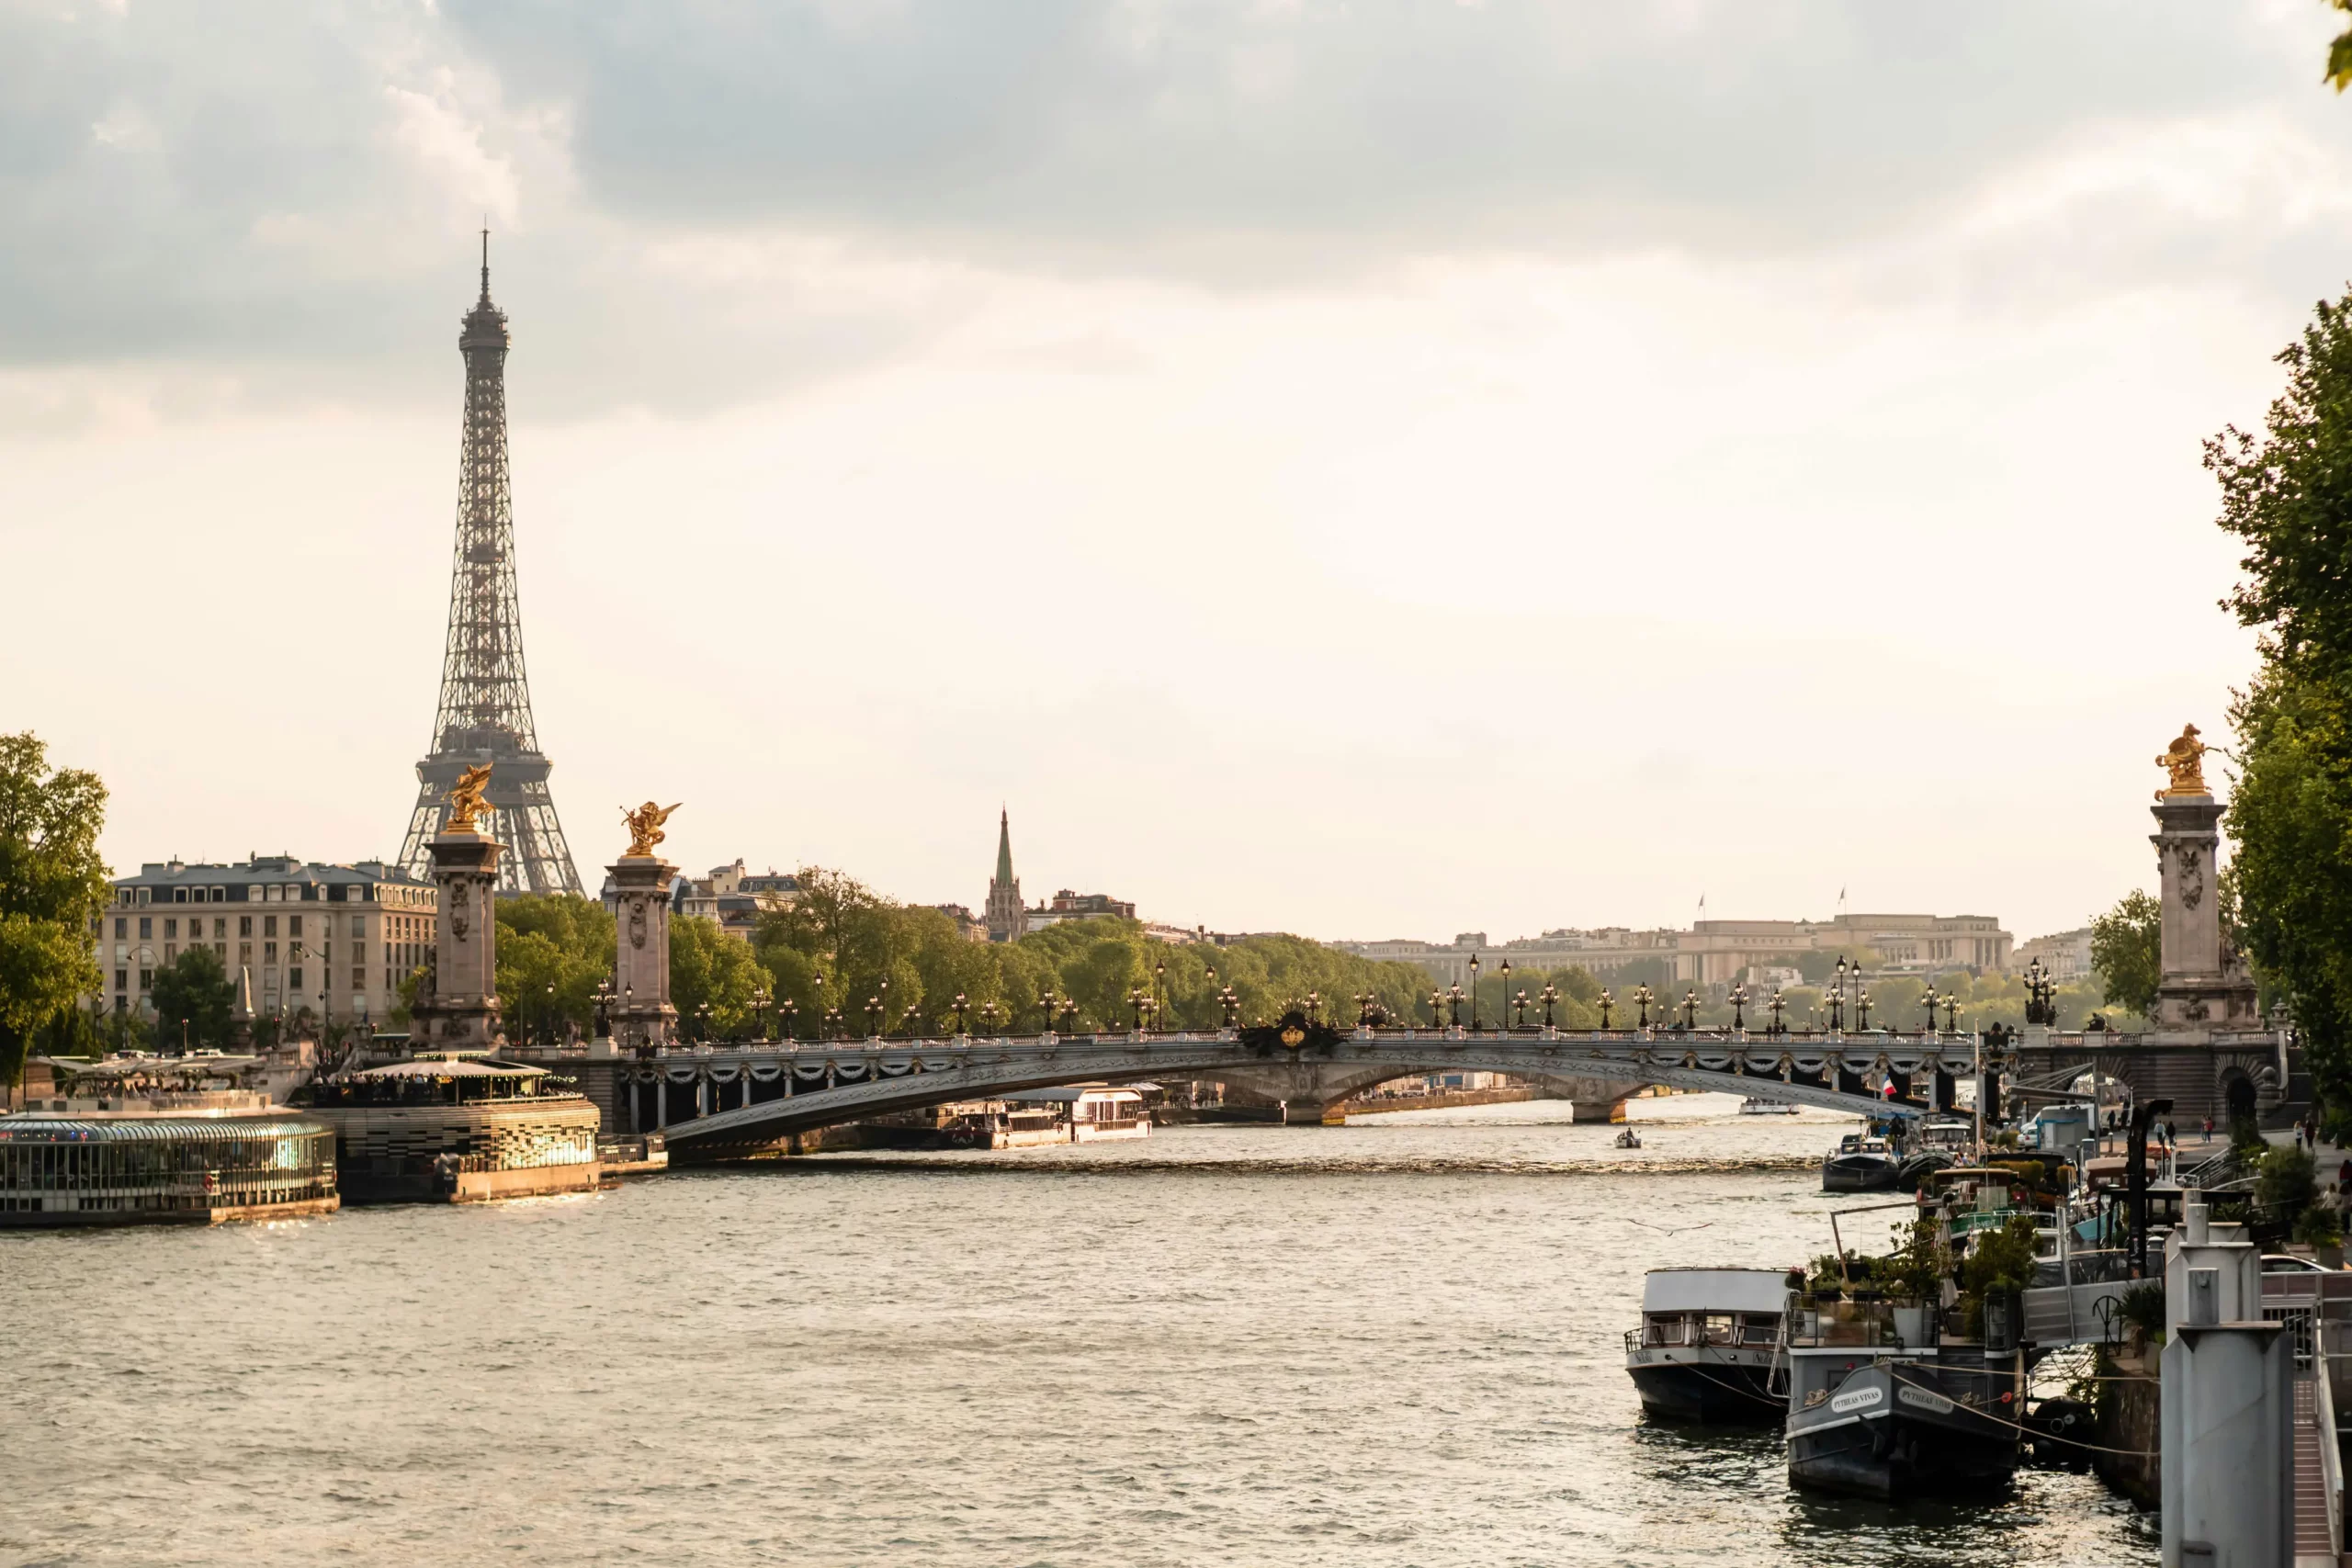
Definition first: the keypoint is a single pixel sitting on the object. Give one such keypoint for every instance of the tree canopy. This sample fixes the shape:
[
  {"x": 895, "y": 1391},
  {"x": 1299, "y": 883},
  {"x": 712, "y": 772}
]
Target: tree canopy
[
  {"x": 194, "y": 988},
  {"x": 53, "y": 889},
  {"x": 2126, "y": 949},
  {"x": 2287, "y": 496}
]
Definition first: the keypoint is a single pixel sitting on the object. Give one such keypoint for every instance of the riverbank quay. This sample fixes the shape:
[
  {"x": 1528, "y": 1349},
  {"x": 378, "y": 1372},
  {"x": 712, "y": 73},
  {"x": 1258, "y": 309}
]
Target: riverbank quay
[{"x": 185, "y": 1158}]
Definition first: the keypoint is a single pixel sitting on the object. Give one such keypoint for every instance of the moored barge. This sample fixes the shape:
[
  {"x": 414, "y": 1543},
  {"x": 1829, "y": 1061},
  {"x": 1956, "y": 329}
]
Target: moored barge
[{"x": 1707, "y": 1344}]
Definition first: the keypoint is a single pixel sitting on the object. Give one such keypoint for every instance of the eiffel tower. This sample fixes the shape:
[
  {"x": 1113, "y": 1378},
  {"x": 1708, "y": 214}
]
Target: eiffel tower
[{"x": 485, "y": 713}]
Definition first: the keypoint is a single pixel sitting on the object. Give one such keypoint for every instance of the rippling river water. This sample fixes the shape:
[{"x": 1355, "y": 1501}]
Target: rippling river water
[{"x": 1393, "y": 1343}]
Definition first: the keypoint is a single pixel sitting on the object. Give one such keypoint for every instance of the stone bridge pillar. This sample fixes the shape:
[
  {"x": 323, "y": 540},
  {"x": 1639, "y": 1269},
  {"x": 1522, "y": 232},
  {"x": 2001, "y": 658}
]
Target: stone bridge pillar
[
  {"x": 461, "y": 1013},
  {"x": 642, "y": 1014}
]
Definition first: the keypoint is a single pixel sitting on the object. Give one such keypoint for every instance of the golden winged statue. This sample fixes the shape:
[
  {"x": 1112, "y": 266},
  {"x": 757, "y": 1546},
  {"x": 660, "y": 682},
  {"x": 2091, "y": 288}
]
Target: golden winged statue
[
  {"x": 465, "y": 799},
  {"x": 2185, "y": 760},
  {"x": 645, "y": 825}
]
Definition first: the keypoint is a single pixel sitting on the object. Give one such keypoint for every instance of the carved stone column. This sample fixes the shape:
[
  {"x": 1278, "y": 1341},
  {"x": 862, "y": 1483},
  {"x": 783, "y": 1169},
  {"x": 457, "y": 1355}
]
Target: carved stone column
[
  {"x": 641, "y": 1013},
  {"x": 461, "y": 1012},
  {"x": 2197, "y": 990}
]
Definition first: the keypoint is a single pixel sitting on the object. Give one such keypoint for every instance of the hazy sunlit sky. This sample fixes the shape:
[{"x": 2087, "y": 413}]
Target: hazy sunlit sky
[{"x": 1378, "y": 468}]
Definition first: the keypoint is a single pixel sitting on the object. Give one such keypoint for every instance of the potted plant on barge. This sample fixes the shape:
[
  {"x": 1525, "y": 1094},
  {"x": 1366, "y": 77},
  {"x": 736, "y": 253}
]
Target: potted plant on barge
[
  {"x": 1915, "y": 1274},
  {"x": 1998, "y": 1262}
]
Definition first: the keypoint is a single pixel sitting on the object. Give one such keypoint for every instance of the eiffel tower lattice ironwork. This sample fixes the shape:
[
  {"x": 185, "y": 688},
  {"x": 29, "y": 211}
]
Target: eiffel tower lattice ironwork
[{"x": 485, "y": 713}]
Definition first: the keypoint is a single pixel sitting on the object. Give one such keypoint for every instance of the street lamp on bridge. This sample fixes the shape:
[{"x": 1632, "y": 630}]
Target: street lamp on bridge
[
  {"x": 959, "y": 1012},
  {"x": 1551, "y": 994},
  {"x": 1506, "y": 1001},
  {"x": 1607, "y": 1001},
  {"x": 1643, "y": 994},
  {"x": 1777, "y": 1005},
  {"x": 1454, "y": 1005},
  {"x": 1739, "y": 1007},
  {"x": 1689, "y": 1010},
  {"x": 1473, "y": 994},
  {"x": 1861, "y": 1012}
]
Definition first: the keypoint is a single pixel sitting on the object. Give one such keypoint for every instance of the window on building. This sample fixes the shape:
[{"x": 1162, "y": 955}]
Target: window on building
[
  {"x": 293, "y": 925},
  {"x": 244, "y": 925},
  {"x": 121, "y": 929},
  {"x": 171, "y": 951},
  {"x": 146, "y": 927},
  {"x": 245, "y": 952},
  {"x": 359, "y": 979},
  {"x": 221, "y": 950},
  {"x": 122, "y": 979},
  {"x": 293, "y": 979},
  {"x": 171, "y": 928},
  {"x": 360, "y": 926},
  {"x": 269, "y": 953},
  {"x": 269, "y": 925},
  {"x": 146, "y": 979}
]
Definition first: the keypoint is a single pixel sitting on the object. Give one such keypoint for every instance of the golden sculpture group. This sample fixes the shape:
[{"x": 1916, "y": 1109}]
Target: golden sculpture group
[
  {"x": 645, "y": 825},
  {"x": 2185, "y": 760},
  {"x": 466, "y": 805}
]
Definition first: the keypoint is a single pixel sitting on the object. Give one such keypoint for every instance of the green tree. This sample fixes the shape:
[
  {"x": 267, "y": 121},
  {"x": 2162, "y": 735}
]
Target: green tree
[
  {"x": 554, "y": 949},
  {"x": 2126, "y": 949},
  {"x": 709, "y": 968},
  {"x": 194, "y": 988},
  {"x": 2287, "y": 496},
  {"x": 53, "y": 889}
]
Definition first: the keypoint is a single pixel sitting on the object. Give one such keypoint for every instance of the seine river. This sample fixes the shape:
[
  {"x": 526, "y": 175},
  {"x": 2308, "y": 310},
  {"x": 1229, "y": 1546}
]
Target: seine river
[{"x": 1393, "y": 1343}]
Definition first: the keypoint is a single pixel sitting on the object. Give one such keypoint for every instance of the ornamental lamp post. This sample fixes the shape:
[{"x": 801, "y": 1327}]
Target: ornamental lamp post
[
  {"x": 1951, "y": 1013},
  {"x": 1437, "y": 1007},
  {"x": 1520, "y": 1004},
  {"x": 1642, "y": 994},
  {"x": 1069, "y": 1013},
  {"x": 1777, "y": 1005},
  {"x": 1314, "y": 1006},
  {"x": 1607, "y": 1001},
  {"x": 1689, "y": 1010},
  {"x": 1929, "y": 1003},
  {"x": 959, "y": 1012},
  {"x": 1159, "y": 988},
  {"x": 1738, "y": 1008},
  {"x": 1506, "y": 975},
  {"x": 1473, "y": 994},
  {"x": 1551, "y": 994},
  {"x": 760, "y": 1011},
  {"x": 1863, "y": 1012},
  {"x": 1454, "y": 1005},
  {"x": 787, "y": 1016}
]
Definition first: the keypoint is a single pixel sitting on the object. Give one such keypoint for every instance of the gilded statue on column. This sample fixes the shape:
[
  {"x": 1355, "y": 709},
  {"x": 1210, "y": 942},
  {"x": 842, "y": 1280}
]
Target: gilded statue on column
[
  {"x": 464, "y": 800},
  {"x": 2185, "y": 760},
  {"x": 645, "y": 825}
]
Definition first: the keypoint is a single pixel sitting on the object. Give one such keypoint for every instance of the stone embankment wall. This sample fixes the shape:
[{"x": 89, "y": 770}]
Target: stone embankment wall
[{"x": 2130, "y": 1419}]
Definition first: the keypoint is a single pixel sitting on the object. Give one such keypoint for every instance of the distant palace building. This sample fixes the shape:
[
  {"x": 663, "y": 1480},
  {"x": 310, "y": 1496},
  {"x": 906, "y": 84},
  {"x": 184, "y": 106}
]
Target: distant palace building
[
  {"x": 1716, "y": 951},
  {"x": 2066, "y": 955},
  {"x": 335, "y": 939},
  {"x": 735, "y": 898}
]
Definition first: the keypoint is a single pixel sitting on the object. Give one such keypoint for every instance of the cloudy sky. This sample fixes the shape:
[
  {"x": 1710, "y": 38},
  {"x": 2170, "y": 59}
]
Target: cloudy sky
[{"x": 1369, "y": 468}]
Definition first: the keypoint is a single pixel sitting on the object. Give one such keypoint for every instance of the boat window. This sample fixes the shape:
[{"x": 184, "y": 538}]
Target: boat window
[{"x": 1719, "y": 1328}]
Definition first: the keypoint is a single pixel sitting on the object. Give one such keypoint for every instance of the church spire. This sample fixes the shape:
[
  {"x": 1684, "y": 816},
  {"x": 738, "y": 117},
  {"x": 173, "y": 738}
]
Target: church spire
[{"x": 1006, "y": 916}]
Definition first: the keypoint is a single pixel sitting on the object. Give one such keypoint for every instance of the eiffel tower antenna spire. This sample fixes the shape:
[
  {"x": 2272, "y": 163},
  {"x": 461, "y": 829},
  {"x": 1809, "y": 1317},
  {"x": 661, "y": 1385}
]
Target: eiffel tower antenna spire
[{"x": 485, "y": 710}]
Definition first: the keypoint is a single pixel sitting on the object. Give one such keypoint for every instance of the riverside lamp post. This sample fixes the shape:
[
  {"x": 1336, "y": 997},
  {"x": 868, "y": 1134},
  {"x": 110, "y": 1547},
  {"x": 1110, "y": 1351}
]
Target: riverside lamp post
[
  {"x": 1473, "y": 994},
  {"x": 1069, "y": 1013},
  {"x": 1951, "y": 1013},
  {"x": 959, "y": 1012},
  {"x": 1777, "y": 1005},
  {"x": 1607, "y": 1001},
  {"x": 988, "y": 1015},
  {"x": 760, "y": 1011},
  {"x": 1453, "y": 1007},
  {"x": 1551, "y": 994},
  {"x": 1739, "y": 1007},
  {"x": 787, "y": 1017},
  {"x": 1863, "y": 1012},
  {"x": 1929, "y": 1003},
  {"x": 1506, "y": 1001},
  {"x": 1437, "y": 1007},
  {"x": 1642, "y": 994},
  {"x": 1689, "y": 1010},
  {"x": 1158, "y": 991}
]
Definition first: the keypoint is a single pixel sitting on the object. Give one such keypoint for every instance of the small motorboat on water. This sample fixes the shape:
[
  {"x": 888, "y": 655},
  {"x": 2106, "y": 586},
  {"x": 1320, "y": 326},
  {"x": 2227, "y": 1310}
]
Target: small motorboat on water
[
  {"x": 1766, "y": 1108},
  {"x": 1705, "y": 1348},
  {"x": 1862, "y": 1162},
  {"x": 1629, "y": 1139}
]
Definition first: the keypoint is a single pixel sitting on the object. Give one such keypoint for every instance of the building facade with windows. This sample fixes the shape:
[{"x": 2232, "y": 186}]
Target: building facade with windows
[
  {"x": 337, "y": 940},
  {"x": 734, "y": 900}
]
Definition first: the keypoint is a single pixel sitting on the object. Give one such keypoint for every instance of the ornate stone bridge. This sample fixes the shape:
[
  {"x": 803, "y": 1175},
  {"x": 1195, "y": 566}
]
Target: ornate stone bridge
[{"x": 716, "y": 1100}]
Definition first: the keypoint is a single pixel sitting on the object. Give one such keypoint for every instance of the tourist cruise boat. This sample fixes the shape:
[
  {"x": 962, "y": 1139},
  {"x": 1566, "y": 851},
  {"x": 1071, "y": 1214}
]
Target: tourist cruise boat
[
  {"x": 151, "y": 1140},
  {"x": 1707, "y": 1345}
]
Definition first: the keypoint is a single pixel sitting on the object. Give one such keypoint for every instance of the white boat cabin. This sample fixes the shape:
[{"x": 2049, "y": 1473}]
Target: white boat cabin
[{"x": 1714, "y": 1306}]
